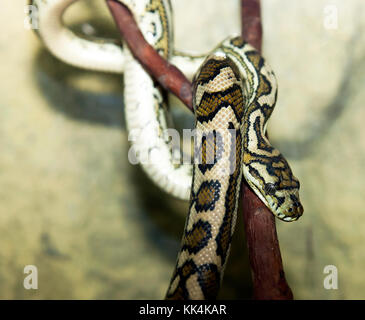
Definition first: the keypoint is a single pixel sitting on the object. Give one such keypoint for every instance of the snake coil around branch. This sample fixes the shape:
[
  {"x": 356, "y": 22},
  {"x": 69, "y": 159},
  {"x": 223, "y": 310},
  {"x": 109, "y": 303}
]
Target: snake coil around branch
[{"x": 234, "y": 90}]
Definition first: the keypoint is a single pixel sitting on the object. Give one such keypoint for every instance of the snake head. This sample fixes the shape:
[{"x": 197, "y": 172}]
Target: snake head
[
  {"x": 282, "y": 201},
  {"x": 274, "y": 183}
]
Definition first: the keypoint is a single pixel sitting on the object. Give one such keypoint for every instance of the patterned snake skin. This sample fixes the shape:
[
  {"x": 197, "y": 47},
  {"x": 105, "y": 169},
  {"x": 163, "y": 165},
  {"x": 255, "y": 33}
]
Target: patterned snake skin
[
  {"x": 234, "y": 95},
  {"x": 235, "y": 92}
]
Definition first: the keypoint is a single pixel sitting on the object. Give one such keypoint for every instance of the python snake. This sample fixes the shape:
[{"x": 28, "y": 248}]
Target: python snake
[
  {"x": 234, "y": 95},
  {"x": 235, "y": 92}
]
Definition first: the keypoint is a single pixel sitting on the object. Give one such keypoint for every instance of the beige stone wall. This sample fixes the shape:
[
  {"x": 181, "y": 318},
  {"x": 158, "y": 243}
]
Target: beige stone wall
[{"x": 95, "y": 227}]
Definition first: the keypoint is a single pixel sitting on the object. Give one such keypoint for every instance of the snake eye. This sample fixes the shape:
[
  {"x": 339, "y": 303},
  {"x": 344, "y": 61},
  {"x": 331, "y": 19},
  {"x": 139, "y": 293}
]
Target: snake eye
[{"x": 270, "y": 188}]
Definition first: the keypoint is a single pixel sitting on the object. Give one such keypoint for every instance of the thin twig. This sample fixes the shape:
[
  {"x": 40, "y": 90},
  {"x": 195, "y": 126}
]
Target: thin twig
[
  {"x": 264, "y": 252},
  {"x": 251, "y": 28},
  {"x": 167, "y": 75},
  {"x": 263, "y": 246}
]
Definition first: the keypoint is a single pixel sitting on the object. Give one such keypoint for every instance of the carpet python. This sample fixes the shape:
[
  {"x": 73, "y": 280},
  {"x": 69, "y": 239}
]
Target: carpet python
[{"x": 235, "y": 92}]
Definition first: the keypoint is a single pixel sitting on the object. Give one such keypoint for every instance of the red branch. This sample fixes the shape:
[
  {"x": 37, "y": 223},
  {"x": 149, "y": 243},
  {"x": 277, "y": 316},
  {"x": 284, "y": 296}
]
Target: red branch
[
  {"x": 263, "y": 246},
  {"x": 264, "y": 252},
  {"x": 167, "y": 75},
  {"x": 251, "y": 28}
]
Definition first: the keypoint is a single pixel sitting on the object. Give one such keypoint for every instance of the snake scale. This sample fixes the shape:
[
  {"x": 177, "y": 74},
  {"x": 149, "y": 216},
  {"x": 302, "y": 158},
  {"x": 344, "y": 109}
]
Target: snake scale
[{"x": 234, "y": 94}]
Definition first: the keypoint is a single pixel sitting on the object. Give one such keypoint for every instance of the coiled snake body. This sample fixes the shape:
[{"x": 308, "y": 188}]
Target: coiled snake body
[
  {"x": 235, "y": 92},
  {"x": 145, "y": 104}
]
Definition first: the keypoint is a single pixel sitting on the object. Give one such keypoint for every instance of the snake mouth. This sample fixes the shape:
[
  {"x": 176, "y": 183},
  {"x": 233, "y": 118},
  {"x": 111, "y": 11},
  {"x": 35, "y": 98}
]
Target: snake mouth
[
  {"x": 293, "y": 213},
  {"x": 290, "y": 219}
]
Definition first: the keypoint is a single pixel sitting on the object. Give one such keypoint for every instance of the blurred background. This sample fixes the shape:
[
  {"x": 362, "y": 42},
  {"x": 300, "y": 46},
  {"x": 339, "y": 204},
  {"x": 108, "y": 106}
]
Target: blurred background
[{"x": 94, "y": 225}]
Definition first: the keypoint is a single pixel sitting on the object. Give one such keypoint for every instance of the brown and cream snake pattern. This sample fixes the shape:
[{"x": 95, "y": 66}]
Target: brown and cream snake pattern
[
  {"x": 234, "y": 95},
  {"x": 235, "y": 92}
]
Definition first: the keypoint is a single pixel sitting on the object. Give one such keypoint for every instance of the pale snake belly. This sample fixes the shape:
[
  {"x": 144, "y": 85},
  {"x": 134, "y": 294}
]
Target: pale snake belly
[
  {"x": 235, "y": 92},
  {"x": 145, "y": 104}
]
